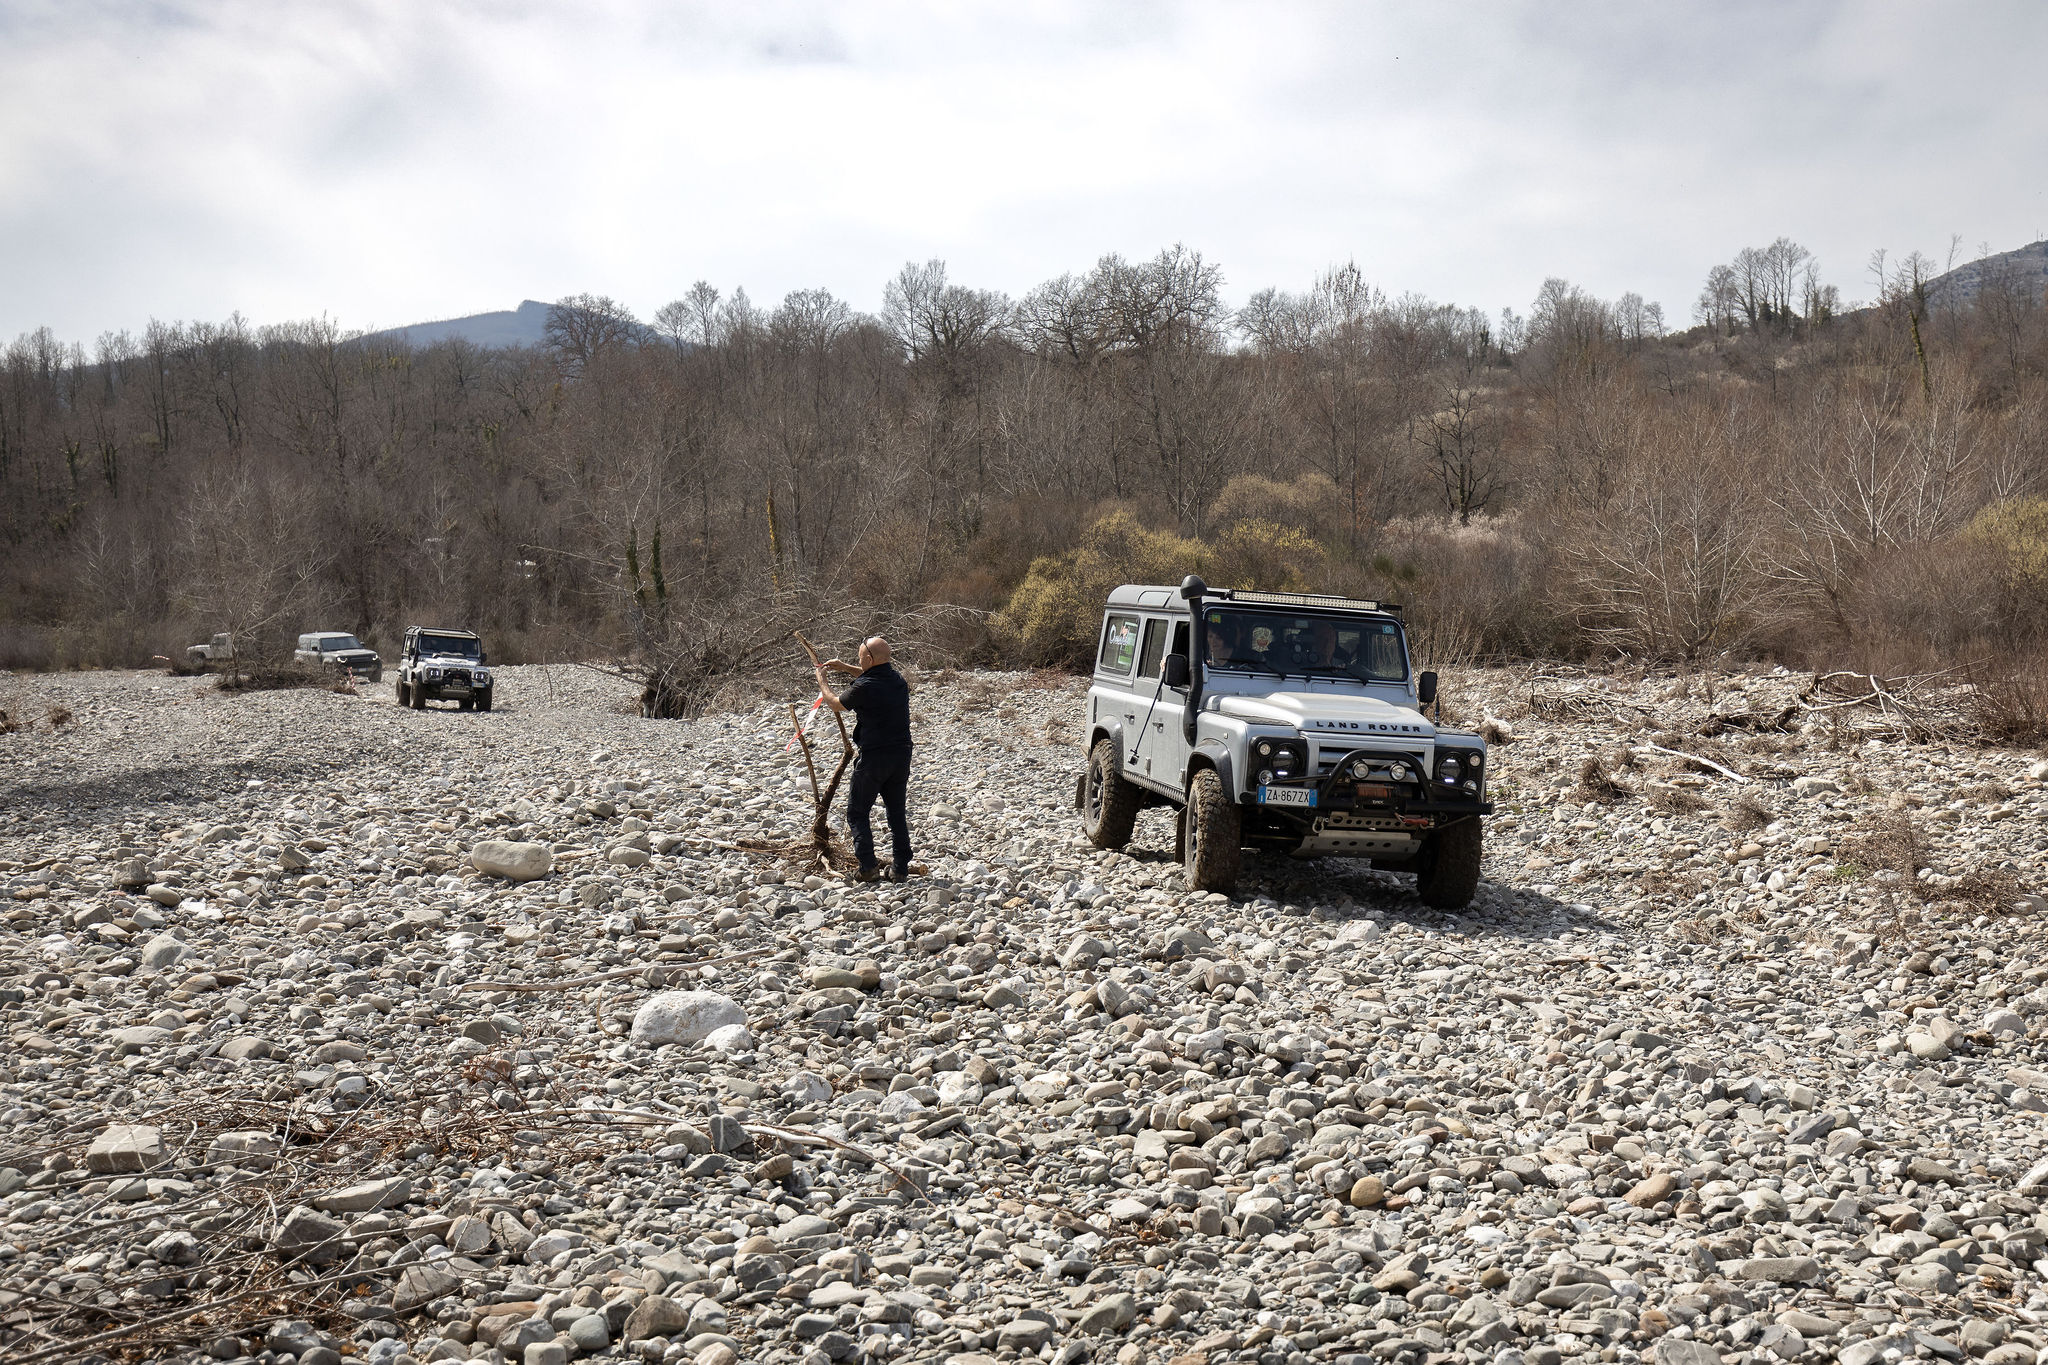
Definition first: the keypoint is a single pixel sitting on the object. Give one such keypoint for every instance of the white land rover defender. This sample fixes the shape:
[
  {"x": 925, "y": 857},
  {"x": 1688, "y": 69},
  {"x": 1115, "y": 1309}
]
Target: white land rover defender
[
  {"x": 444, "y": 665},
  {"x": 1284, "y": 721}
]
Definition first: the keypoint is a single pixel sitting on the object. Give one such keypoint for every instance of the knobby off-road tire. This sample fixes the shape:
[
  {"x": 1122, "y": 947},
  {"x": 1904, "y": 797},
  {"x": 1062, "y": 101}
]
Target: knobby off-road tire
[
  {"x": 1448, "y": 871},
  {"x": 483, "y": 700},
  {"x": 399, "y": 689},
  {"x": 419, "y": 695},
  {"x": 466, "y": 704},
  {"x": 1210, "y": 834},
  {"x": 1109, "y": 805}
]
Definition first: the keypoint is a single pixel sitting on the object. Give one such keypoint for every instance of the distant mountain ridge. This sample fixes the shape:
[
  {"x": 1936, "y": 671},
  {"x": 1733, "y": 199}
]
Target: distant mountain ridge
[
  {"x": 2027, "y": 265},
  {"x": 522, "y": 326},
  {"x": 526, "y": 325}
]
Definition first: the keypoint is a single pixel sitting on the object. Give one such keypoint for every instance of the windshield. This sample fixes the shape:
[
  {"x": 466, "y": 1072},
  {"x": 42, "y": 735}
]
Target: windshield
[
  {"x": 1316, "y": 644},
  {"x": 449, "y": 644},
  {"x": 330, "y": 643}
]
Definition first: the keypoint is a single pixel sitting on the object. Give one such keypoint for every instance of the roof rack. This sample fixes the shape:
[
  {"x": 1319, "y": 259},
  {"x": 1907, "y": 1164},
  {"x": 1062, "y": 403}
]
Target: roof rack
[{"x": 1307, "y": 599}]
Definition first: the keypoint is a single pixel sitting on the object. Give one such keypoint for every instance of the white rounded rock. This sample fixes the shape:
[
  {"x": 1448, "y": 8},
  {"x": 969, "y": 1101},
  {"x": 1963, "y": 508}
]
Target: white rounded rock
[
  {"x": 162, "y": 951},
  {"x": 807, "y": 1088},
  {"x": 685, "y": 1017},
  {"x": 513, "y": 861},
  {"x": 729, "y": 1038}
]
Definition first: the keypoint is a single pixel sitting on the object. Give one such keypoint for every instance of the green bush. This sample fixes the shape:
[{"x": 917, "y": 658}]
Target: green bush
[
  {"x": 2018, "y": 528},
  {"x": 1053, "y": 615}
]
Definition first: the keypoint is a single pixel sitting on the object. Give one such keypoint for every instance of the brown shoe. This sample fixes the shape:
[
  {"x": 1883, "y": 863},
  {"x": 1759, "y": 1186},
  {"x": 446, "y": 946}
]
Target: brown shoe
[{"x": 868, "y": 874}]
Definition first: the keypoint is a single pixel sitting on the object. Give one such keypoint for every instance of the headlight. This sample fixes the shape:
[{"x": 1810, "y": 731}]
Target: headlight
[
  {"x": 433, "y": 675},
  {"x": 1447, "y": 768},
  {"x": 482, "y": 675},
  {"x": 1399, "y": 772}
]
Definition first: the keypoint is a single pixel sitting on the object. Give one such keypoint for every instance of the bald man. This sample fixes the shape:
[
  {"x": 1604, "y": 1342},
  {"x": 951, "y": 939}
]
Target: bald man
[{"x": 880, "y": 701}]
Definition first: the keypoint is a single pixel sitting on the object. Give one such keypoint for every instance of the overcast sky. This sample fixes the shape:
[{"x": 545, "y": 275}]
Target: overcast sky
[{"x": 387, "y": 163}]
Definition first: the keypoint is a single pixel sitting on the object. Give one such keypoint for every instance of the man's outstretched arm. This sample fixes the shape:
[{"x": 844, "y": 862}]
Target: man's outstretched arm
[{"x": 825, "y": 692}]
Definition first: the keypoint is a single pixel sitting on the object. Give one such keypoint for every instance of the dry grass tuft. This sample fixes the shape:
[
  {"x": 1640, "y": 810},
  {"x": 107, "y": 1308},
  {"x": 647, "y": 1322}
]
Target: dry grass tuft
[
  {"x": 1746, "y": 814},
  {"x": 1886, "y": 843},
  {"x": 1985, "y": 793},
  {"x": 1674, "y": 801},
  {"x": 60, "y": 716}
]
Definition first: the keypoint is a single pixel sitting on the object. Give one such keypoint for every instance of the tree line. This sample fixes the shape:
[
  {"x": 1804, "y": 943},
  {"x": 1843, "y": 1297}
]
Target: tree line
[{"x": 1786, "y": 478}]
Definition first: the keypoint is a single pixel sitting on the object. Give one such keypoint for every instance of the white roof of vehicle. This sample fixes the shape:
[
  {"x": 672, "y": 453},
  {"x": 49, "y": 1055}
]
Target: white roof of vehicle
[{"x": 1157, "y": 597}]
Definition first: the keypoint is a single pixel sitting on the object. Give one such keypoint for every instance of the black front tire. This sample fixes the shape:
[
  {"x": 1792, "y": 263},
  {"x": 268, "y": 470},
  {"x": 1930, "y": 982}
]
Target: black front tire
[
  {"x": 483, "y": 700},
  {"x": 1211, "y": 835},
  {"x": 399, "y": 688},
  {"x": 1109, "y": 805},
  {"x": 1447, "y": 874},
  {"x": 419, "y": 696}
]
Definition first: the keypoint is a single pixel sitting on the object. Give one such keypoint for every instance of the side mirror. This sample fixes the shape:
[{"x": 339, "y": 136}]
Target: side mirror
[
  {"x": 1425, "y": 688},
  {"x": 1173, "y": 670}
]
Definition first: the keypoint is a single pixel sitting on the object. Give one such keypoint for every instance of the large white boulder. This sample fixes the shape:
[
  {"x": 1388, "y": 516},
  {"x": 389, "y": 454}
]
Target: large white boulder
[
  {"x": 685, "y": 1017},
  {"x": 515, "y": 861}
]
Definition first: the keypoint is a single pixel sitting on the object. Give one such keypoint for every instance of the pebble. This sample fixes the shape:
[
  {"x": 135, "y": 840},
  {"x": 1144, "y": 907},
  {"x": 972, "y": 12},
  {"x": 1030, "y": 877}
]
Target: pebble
[{"x": 1680, "y": 1085}]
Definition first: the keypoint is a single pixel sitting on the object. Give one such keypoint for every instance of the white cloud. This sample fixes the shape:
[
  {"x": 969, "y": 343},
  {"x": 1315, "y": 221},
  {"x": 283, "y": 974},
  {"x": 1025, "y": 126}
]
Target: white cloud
[{"x": 390, "y": 162}]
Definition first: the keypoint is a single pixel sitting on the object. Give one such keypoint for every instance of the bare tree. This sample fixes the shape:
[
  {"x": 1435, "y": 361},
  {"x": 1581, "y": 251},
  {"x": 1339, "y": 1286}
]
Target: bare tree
[
  {"x": 1460, "y": 445},
  {"x": 582, "y": 326}
]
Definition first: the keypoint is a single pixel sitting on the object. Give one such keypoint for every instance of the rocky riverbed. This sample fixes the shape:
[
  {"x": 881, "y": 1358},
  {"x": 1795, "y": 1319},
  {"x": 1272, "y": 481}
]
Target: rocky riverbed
[{"x": 1738, "y": 1055}]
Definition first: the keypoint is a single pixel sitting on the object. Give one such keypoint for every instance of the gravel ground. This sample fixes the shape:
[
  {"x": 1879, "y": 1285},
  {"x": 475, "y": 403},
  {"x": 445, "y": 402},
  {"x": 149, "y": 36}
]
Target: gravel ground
[{"x": 1732, "y": 1059}]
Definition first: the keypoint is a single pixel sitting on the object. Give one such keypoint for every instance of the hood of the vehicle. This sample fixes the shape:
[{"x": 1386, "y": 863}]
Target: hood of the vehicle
[
  {"x": 1329, "y": 713},
  {"x": 449, "y": 661},
  {"x": 348, "y": 653}
]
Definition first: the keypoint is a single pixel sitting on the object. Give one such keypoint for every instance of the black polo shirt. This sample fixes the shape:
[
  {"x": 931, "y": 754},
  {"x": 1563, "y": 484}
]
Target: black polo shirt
[{"x": 880, "y": 701}]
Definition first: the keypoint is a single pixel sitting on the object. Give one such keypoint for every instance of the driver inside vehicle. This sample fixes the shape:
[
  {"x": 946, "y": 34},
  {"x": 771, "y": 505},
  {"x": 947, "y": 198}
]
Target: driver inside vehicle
[
  {"x": 1222, "y": 649},
  {"x": 1328, "y": 652}
]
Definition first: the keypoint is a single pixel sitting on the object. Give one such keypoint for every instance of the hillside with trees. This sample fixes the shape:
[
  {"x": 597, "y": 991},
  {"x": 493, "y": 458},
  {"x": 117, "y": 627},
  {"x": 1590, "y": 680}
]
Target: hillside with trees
[{"x": 1788, "y": 479}]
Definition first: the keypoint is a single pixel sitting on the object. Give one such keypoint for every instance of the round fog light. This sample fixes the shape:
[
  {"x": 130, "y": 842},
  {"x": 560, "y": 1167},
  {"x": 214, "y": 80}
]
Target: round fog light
[
  {"x": 1471, "y": 786},
  {"x": 1265, "y": 776}
]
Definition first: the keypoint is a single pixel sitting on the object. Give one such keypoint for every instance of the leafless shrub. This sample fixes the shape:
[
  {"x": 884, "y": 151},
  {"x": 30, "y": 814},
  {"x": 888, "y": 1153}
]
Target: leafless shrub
[
  {"x": 9, "y": 725},
  {"x": 1746, "y": 813},
  {"x": 1985, "y": 793},
  {"x": 1495, "y": 733},
  {"x": 1987, "y": 888},
  {"x": 60, "y": 716},
  {"x": 1597, "y": 784},
  {"x": 2009, "y": 703},
  {"x": 270, "y": 677}
]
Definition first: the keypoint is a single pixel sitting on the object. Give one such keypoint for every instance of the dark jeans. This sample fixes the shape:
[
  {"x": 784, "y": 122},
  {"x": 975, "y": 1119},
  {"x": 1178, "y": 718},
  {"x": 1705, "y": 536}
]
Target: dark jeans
[{"x": 886, "y": 776}]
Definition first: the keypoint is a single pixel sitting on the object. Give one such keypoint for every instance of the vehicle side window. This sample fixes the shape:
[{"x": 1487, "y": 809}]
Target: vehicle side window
[
  {"x": 1180, "y": 637},
  {"x": 1119, "y": 644},
  {"x": 1155, "y": 646}
]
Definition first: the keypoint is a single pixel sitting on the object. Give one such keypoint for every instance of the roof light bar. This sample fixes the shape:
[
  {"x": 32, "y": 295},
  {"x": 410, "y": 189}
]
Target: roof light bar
[{"x": 1305, "y": 599}]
